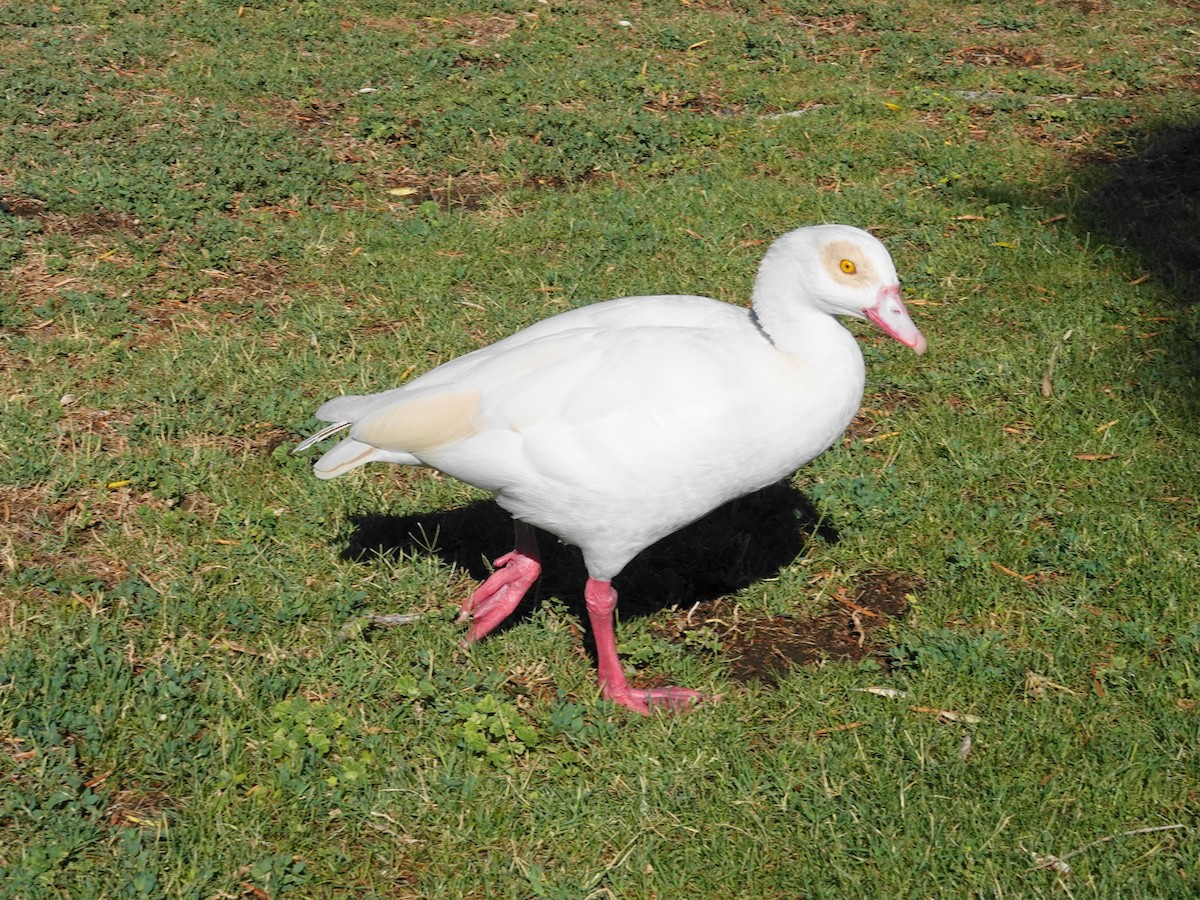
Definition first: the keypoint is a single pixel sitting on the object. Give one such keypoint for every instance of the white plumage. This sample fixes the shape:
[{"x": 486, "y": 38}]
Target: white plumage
[{"x": 616, "y": 424}]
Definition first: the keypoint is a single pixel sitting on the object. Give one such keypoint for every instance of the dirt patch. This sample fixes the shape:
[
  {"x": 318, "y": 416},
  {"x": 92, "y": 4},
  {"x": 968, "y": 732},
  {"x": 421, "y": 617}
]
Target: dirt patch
[
  {"x": 79, "y": 535},
  {"x": 99, "y": 430},
  {"x": 168, "y": 299},
  {"x": 876, "y": 408},
  {"x": 255, "y": 283},
  {"x": 36, "y": 285},
  {"x": 706, "y": 103},
  {"x": 100, "y": 221},
  {"x": 22, "y": 207},
  {"x": 470, "y": 29},
  {"x": 94, "y": 223},
  {"x": 313, "y": 114},
  {"x": 403, "y": 190},
  {"x": 33, "y": 521},
  {"x": 258, "y": 439},
  {"x": 478, "y": 30},
  {"x": 136, "y": 808},
  {"x": 767, "y": 648},
  {"x": 1025, "y": 57},
  {"x": 848, "y": 23},
  {"x": 469, "y": 191},
  {"x": 1187, "y": 82}
]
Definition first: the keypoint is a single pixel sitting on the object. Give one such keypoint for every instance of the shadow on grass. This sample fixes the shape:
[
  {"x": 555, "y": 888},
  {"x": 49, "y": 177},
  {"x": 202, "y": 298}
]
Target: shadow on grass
[
  {"x": 1147, "y": 207},
  {"x": 1149, "y": 204},
  {"x": 742, "y": 542}
]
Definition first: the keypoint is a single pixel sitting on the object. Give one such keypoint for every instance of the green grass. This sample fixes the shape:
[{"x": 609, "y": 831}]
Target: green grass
[{"x": 216, "y": 215}]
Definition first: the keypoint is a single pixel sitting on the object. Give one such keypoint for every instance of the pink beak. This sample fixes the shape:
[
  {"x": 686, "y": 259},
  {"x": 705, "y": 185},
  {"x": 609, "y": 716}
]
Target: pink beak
[{"x": 890, "y": 315}]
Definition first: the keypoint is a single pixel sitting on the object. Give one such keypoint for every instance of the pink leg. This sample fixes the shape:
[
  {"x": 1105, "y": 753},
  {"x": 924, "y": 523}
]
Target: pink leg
[
  {"x": 601, "y": 601},
  {"x": 495, "y": 599}
]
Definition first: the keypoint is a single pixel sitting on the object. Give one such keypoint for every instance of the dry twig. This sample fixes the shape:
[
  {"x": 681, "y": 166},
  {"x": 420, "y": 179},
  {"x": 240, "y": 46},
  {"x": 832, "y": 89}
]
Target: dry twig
[
  {"x": 1059, "y": 863},
  {"x": 355, "y": 626},
  {"x": 1047, "y": 385}
]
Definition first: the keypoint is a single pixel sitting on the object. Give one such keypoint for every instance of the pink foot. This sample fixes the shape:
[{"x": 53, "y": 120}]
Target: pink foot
[
  {"x": 601, "y": 600},
  {"x": 495, "y": 599},
  {"x": 645, "y": 700}
]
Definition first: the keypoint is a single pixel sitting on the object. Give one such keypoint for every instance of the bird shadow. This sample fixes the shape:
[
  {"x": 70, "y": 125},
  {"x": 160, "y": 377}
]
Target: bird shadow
[
  {"x": 1146, "y": 207},
  {"x": 746, "y": 540},
  {"x": 1150, "y": 203}
]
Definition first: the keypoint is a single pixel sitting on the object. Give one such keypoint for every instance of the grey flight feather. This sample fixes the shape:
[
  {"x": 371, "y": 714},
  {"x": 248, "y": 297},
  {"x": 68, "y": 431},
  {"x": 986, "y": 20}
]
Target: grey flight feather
[{"x": 319, "y": 436}]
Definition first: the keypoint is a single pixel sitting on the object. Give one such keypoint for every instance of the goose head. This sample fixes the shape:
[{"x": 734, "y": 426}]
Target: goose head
[{"x": 838, "y": 270}]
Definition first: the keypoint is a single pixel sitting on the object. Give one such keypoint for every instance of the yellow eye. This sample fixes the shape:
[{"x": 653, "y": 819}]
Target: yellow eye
[{"x": 848, "y": 267}]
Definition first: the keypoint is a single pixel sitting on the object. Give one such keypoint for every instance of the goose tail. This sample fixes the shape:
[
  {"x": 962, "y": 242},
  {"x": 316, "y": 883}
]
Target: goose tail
[{"x": 348, "y": 455}]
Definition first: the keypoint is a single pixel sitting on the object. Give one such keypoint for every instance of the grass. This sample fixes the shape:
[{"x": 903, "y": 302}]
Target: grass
[{"x": 215, "y": 215}]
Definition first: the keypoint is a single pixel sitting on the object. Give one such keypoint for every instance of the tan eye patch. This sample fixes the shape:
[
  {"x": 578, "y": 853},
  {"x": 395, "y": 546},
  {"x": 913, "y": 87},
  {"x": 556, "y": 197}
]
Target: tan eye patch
[{"x": 845, "y": 262}]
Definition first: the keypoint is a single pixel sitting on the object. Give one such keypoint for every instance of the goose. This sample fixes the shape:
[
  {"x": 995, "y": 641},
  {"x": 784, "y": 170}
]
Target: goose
[{"x": 615, "y": 424}]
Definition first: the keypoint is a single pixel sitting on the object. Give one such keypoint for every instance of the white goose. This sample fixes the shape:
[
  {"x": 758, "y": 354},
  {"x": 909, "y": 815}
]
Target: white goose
[{"x": 613, "y": 425}]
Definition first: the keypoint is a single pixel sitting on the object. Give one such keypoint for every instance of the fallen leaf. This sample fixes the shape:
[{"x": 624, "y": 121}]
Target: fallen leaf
[
  {"x": 135, "y": 819},
  {"x": 840, "y": 597},
  {"x": 825, "y": 732},
  {"x": 880, "y": 437},
  {"x": 1007, "y": 571},
  {"x": 1059, "y": 863},
  {"x": 1046, "y": 384},
  {"x": 949, "y": 715},
  {"x": 1052, "y": 862},
  {"x": 893, "y": 693},
  {"x": 99, "y": 779},
  {"x": 1036, "y": 685}
]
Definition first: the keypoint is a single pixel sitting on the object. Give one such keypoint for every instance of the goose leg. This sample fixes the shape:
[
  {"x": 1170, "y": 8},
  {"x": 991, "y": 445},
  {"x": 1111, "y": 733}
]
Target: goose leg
[
  {"x": 601, "y": 600},
  {"x": 495, "y": 599}
]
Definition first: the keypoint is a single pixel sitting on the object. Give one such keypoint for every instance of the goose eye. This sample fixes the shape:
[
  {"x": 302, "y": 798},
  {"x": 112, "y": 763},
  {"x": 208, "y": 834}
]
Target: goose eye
[{"x": 848, "y": 267}]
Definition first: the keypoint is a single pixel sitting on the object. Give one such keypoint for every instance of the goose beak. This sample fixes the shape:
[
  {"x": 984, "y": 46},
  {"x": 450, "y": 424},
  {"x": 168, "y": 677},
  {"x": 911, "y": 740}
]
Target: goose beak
[{"x": 891, "y": 316}]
